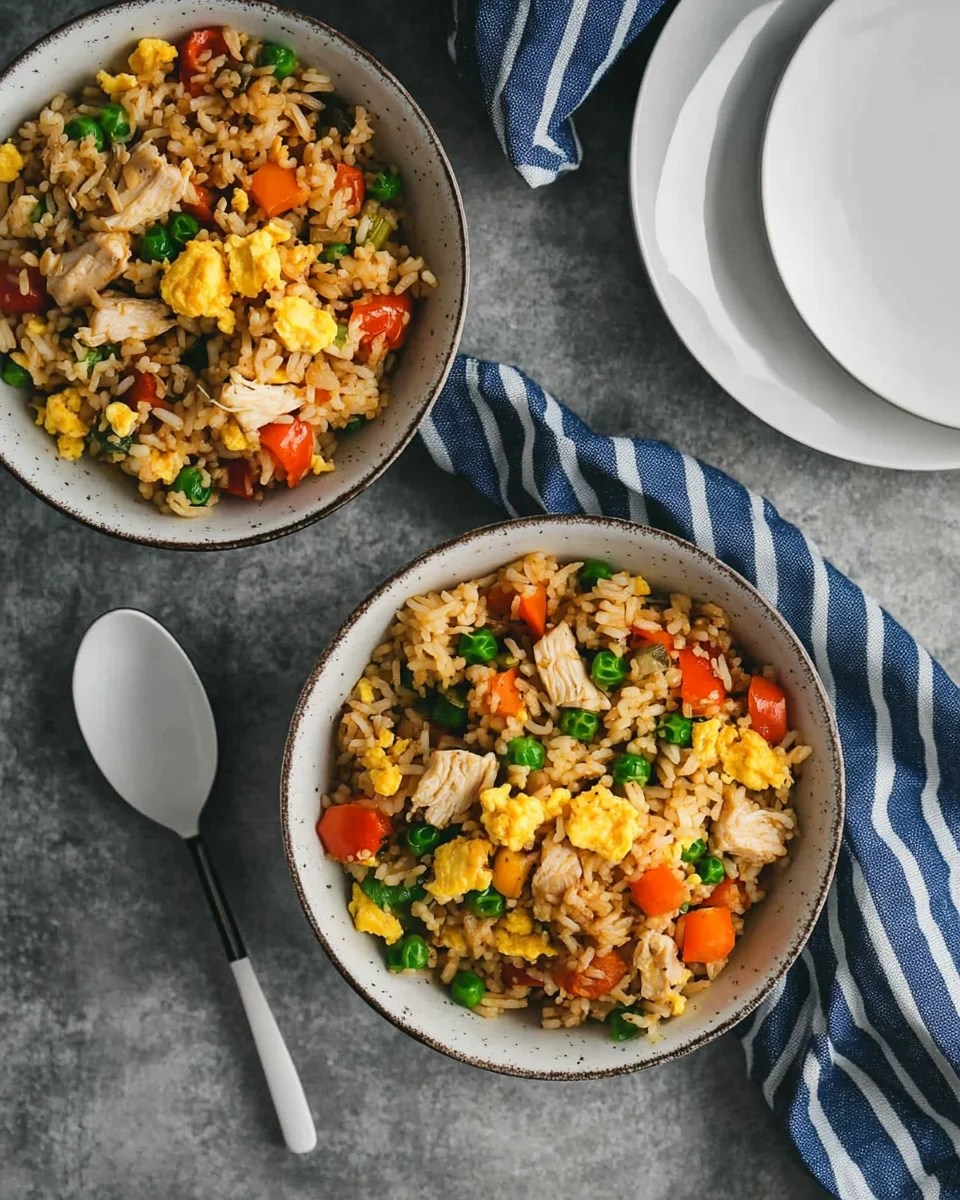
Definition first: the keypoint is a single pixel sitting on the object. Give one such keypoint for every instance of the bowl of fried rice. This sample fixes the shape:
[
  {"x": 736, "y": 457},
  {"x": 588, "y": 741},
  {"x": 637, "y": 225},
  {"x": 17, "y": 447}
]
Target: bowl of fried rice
[
  {"x": 563, "y": 798},
  {"x": 233, "y": 270}
]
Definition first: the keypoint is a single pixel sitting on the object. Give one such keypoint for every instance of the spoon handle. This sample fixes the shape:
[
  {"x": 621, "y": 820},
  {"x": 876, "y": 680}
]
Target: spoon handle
[{"x": 284, "y": 1084}]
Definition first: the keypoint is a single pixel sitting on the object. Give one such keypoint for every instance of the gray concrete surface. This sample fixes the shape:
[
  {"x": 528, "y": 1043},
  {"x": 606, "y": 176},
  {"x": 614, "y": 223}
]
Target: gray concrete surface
[{"x": 127, "y": 1070}]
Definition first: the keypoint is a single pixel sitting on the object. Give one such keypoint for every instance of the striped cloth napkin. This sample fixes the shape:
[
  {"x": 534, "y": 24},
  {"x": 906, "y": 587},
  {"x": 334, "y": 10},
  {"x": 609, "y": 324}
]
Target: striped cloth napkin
[{"x": 858, "y": 1047}]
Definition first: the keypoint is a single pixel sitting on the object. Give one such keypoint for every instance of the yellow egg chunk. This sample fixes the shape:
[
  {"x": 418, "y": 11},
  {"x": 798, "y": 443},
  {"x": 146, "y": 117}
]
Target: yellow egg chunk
[
  {"x": 114, "y": 85},
  {"x": 11, "y": 162},
  {"x": 195, "y": 285},
  {"x": 517, "y": 922},
  {"x": 369, "y": 918},
  {"x": 602, "y": 822},
  {"x": 254, "y": 261},
  {"x": 530, "y": 946},
  {"x": 36, "y": 327},
  {"x": 453, "y": 939},
  {"x": 61, "y": 414},
  {"x": 151, "y": 54},
  {"x": 746, "y": 757},
  {"x": 365, "y": 688},
  {"x": 239, "y": 201},
  {"x": 69, "y": 447},
  {"x": 123, "y": 420},
  {"x": 704, "y": 735},
  {"x": 302, "y": 326},
  {"x": 511, "y": 821},
  {"x": 164, "y": 467},
  {"x": 233, "y": 436},
  {"x": 557, "y": 803},
  {"x": 320, "y": 465},
  {"x": 460, "y": 866}
]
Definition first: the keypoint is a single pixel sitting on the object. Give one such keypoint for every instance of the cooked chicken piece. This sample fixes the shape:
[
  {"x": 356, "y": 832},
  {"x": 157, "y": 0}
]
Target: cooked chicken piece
[
  {"x": 563, "y": 672},
  {"x": 452, "y": 782},
  {"x": 660, "y": 969},
  {"x": 745, "y": 830},
  {"x": 16, "y": 221},
  {"x": 559, "y": 869},
  {"x": 86, "y": 271},
  {"x": 152, "y": 186},
  {"x": 256, "y": 404},
  {"x": 119, "y": 318}
]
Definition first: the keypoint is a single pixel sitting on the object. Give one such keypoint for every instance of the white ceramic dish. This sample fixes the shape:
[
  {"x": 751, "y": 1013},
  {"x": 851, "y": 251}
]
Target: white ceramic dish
[
  {"x": 860, "y": 178},
  {"x": 107, "y": 499},
  {"x": 694, "y": 167},
  {"x": 515, "y": 1044}
]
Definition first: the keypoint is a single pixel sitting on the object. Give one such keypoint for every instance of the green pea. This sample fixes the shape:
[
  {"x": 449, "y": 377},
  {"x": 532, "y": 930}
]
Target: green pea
[
  {"x": 676, "y": 728},
  {"x": 183, "y": 228},
  {"x": 385, "y": 186},
  {"x": 82, "y": 127},
  {"x": 402, "y": 895},
  {"x": 375, "y": 890},
  {"x": 156, "y": 245},
  {"x": 411, "y": 953},
  {"x": 593, "y": 570},
  {"x": 631, "y": 768},
  {"x": 608, "y": 669},
  {"x": 13, "y": 375},
  {"x": 98, "y": 353},
  {"x": 422, "y": 838},
  {"x": 354, "y": 425},
  {"x": 467, "y": 989},
  {"x": 281, "y": 58},
  {"x": 579, "y": 724},
  {"x": 197, "y": 356},
  {"x": 190, "y": 483},
  {"x": 488, "y": 903},
  {"x": 620, "y": 1029},
  {"x": 710, "y": 869},
  {"x": 450, "y": 711},
  {"x": 334, "y": 252},
  {"x": 694, "y": 852},
  {"x": 38, "y": 210},
  {"x": 114, "y": 122},
  {"x": 478, "y": 647},
  {"x": 111, "y": 445},
  {"x": 525, "y": 752},
  {"x": 341, "y": 337}
]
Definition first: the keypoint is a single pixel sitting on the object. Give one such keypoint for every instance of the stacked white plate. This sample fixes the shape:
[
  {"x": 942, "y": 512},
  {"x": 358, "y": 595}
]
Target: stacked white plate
[{"x": 795, "y": 173}]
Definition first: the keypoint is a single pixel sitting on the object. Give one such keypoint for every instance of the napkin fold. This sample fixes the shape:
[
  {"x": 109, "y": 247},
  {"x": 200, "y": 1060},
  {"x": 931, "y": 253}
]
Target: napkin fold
[{"x": 858, "y": 1046}]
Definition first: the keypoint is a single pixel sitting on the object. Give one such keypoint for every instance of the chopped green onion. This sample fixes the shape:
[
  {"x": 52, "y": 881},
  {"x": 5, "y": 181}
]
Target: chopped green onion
[
  {"x": 620, "y": 1029},
  {"x": 334, "y": 252},
  {"x": 450, "y": 711}
]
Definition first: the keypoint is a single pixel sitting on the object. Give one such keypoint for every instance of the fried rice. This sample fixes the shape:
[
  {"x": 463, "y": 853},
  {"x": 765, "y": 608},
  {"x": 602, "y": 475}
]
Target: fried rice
[
  {"x": 555, "y": 788},
  {"x": 203, "y": 274}
]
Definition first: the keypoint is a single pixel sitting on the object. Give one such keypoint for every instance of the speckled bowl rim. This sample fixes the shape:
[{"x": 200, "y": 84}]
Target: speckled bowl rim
[
  {"x": 407, "y": 434},
  {"x": 825, "y": 714}
]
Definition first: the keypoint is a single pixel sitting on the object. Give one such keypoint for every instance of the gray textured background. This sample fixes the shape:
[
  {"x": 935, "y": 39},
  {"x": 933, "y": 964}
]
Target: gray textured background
[{"x": 127, "y": 1070}]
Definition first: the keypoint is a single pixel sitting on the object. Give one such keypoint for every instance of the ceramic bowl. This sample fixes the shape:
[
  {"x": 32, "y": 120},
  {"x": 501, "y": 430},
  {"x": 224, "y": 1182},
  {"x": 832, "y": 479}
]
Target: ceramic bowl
[
  {"x": 515, "y": 1044},
  {"x": 107, "y": 499}
]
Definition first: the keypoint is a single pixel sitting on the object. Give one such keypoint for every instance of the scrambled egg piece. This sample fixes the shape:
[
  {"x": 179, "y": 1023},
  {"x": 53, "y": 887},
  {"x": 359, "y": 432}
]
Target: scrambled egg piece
[
  {"x": 460, "y": 866},
  {"x": 150, "y": 54},
  {"x": 301, "y": 325},
  {"x": 677, "y": 1003},
  {"x": 530, "y": 946},
  {"x": 385, "y": 776},
  {"x": 11, "y": 162},
  {"x": 511, "y": 821},
  {"x": 61, "y": 414},
  {"x": 453, "y": 939},
  {"x": 70, "y": 448},
  {"x": 36, "y": 327},
  {"x": 557, "y": 804},
  {"x": 164, "y": 466},
  {"x": 113, "y": 85},
  {"x": 319, "y": 465},
  {"x": 254, "y": 261},
  {"x": 233, "y": 436},
  {"x": 746, "y": 757},
  {"x": 640, "y": 586},
  {"x": 195, "y": 285},
  {"x": 602, "y": 822},
  {"x": 365, "y": 688},
  {"x": 704, "y": 735},
  {"x": 369, "y": 918},
  {"x": 297, "y": 258},
  {"x": 123, "y": 420},
  {"x": 239, "y": 201}
]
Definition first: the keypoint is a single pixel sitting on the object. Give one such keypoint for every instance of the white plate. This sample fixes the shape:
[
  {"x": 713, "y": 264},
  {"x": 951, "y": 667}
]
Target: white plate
[
  {"x": 694, "y": 167},
  {"x": 860, "y": 181}
]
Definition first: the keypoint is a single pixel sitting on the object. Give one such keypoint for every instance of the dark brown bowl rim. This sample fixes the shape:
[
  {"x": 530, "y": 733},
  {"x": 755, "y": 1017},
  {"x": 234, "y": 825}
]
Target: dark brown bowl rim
[
  {"x": 828, "y": 721},
  {"x": 256, "y": 538}
]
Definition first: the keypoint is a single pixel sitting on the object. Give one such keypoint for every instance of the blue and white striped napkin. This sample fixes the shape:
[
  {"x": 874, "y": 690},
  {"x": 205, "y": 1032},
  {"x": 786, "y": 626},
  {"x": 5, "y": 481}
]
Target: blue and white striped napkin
[{"x": 858, "y": 1049}]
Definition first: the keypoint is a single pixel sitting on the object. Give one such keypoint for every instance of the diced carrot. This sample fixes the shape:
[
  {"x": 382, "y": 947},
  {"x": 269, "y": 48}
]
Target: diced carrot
[
  {"x": 601, "y": 976},
  {"x": 517, "y": 977},
  {"x": 352, "y": 831},
  {"x": 276, "y": 189},
  {"x": 239, "y": 482},
  {"x": 658, "y": 891},
  {"x": 728, "y": 894},
  {"x": 143, "y": 390},
  {"x": 768, "y": 709},
  {"x": 202, "y": 209},
  {"x": 387, "y": 315},
  {"x": 349, "y": 180},
  {"x": 290, "y": 446},
  {"x": 503, "y": 689},
  {"x": 708, "y": 935},
  {"x": 533, "y": 610},
  {"x": 646, "y": 637},
  {"x": 700, "y": 688},
  {"x": 500, "y": 600},
  {"x": 190, "y": 50},
  {"x": 510, "y": 871}
]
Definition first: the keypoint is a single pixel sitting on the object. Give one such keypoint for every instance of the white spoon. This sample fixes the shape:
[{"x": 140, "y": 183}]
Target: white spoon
[{"x": 129, "y": 668}]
